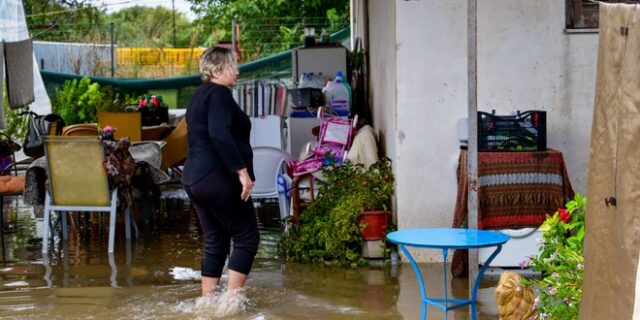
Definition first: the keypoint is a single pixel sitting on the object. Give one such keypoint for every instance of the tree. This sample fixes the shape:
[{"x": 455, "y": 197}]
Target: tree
[
  {"x": 150, "y": 27},
  {"x": 64, "y": 20},
  {"x": 267, "y": 26}
]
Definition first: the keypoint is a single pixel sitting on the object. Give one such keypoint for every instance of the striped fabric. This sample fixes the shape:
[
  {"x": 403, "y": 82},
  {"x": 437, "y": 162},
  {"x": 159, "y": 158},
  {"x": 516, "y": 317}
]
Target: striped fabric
[
  {"x": 521, "y": 178},
  {"x": 516, "y": 189}
]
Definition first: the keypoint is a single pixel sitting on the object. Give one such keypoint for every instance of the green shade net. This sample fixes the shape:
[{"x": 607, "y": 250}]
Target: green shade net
[{"x": 178, "y": 90}]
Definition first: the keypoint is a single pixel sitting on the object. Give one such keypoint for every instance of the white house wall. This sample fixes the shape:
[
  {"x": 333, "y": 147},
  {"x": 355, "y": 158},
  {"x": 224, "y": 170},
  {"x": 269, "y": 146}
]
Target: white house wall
[
  {"x": 525, "y": 61},
  {"x": 382, "y": 75}
]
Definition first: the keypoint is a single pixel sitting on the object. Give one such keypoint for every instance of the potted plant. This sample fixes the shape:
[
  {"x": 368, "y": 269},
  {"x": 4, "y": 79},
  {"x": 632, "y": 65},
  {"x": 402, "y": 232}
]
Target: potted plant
[
  {"x": 331, "y": 228},
  {"x": 377, "y": 192}
]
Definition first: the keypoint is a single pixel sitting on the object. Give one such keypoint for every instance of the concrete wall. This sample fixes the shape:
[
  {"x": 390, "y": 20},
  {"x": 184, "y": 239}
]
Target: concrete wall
[
  {"x": 525, "y": 61},
  {"x": 382, "y": 74}
]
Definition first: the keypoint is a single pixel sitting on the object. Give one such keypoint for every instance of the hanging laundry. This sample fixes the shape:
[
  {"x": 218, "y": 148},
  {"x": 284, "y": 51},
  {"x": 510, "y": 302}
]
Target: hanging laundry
[{"x": 19, "y": 65}]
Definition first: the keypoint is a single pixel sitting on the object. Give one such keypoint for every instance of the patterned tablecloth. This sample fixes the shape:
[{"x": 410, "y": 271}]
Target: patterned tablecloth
[{"x": 515, "y": 190}]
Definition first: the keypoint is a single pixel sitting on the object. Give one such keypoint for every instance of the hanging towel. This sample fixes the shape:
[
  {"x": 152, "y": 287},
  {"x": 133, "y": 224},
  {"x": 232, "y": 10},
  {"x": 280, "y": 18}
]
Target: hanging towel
[
  {"x": 3, "y": 118},
  {"x": 19, "y": 64}
]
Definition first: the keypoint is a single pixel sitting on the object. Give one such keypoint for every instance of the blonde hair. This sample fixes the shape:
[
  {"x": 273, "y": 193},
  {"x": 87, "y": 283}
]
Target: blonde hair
[
  {"x": 515, "y": 302},
  {"x": 214, "y": 60}
]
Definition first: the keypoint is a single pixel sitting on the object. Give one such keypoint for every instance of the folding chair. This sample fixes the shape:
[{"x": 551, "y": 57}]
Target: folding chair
[{"x": 78, "y": 182}]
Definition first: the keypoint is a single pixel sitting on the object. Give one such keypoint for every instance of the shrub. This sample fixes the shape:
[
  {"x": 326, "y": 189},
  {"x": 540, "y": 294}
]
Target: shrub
[
  {"x": 80, "y": 101},
  {"x": 328, "y": 230},
  {"x": 561, "y": 262}
]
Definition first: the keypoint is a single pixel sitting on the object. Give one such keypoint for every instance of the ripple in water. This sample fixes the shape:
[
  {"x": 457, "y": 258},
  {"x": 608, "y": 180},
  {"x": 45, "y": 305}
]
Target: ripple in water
[{"x": 218, "y": 304}]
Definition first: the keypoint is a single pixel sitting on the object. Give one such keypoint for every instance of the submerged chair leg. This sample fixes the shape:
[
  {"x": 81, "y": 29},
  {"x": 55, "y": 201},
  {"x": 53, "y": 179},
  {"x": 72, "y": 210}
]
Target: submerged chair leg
[
  {"x": 45, "y": 225},
  {"x": 112, "y": 231},
  {"x": 127, "y": 223},
  {"x": 65, "y": 228},
  {"x": 112, "y": 219}
]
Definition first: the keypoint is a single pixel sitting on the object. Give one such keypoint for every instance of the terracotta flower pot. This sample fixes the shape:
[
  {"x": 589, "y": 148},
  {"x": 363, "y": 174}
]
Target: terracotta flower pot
[{"x": 376, "y": 224}]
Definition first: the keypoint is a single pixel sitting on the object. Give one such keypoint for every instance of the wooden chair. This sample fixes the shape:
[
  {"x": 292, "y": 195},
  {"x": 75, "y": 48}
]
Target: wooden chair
[
  {"x": 175, "y": 150},
  {"x": 78, "y": 182},
  {"x": 81, "y": 129},
  {"x": 127, "y": 124}
]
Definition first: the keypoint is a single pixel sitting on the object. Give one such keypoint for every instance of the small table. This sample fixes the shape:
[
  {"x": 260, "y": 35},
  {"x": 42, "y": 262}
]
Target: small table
[{"x": 445, "y": 239}]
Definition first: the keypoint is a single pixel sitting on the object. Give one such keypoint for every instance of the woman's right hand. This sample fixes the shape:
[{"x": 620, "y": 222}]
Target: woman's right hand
[{"x": 247, "y": 184}]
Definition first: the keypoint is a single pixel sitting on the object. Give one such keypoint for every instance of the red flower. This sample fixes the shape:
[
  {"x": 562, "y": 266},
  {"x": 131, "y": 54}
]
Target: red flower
[{"x": 564, "y": 215}]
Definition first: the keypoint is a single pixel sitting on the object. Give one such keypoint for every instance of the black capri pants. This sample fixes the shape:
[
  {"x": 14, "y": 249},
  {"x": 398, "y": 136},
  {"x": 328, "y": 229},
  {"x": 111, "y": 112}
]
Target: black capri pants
[{"x": 223, "y": 217}]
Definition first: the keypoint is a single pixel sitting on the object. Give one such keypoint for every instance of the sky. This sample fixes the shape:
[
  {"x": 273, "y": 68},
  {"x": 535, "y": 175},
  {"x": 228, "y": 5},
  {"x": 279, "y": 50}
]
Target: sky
[{"x": 115, "y": 5}]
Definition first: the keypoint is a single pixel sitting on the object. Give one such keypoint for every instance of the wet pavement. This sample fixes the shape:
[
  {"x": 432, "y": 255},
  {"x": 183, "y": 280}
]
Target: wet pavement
[{"x": 155, "y": 276}]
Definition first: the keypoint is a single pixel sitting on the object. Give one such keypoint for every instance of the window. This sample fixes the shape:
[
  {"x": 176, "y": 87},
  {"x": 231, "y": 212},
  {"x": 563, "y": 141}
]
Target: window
[{"x": 583, "y": 14}]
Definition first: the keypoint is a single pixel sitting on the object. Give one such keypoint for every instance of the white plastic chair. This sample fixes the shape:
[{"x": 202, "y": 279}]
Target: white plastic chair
[
  {"x": 78, "y": 182},
  {"x": 269, "y": 163}
]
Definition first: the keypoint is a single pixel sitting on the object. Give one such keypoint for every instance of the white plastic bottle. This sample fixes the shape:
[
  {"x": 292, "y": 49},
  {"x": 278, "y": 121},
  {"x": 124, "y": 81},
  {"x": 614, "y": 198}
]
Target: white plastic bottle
[{"x": 339, "y": 96}]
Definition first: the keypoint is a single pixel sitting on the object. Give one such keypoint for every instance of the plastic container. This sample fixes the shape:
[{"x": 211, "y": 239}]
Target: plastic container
[
  {"x": 302, "y": 98},
  {"x": 376, "y": 222},
  {"x": 524, "y": 131},
  {"x": 338, "y": 96}
]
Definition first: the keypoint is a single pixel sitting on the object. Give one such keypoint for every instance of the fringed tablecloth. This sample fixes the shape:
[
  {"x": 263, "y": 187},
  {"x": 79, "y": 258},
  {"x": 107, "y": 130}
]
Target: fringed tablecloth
[{"x": 516, "y": 190}]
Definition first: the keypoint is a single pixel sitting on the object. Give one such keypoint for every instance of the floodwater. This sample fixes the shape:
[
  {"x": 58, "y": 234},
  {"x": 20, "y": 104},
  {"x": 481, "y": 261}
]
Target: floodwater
[{"x": 156, "y": 277}]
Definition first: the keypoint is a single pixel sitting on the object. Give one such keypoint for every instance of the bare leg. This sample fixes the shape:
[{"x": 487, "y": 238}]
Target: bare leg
[
  {"x": 209, "y": 284},
  {"x": 236, "y": 281}
]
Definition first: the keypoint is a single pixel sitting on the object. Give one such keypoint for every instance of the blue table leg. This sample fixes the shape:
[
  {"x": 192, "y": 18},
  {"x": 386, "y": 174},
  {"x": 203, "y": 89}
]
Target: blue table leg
[
  {"x": 445, "y": 251},
  {"x": 474, "y": 293},
  {"x": 423, "y": 292}
]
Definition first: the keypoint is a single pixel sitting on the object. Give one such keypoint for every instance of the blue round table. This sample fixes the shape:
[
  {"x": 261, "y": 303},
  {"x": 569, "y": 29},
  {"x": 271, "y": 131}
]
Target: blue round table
[{"x": 445, "y": 239}]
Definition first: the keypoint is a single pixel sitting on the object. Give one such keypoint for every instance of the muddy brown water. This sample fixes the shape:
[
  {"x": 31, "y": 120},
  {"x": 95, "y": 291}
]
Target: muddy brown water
[{"x": 79, "y": 280}]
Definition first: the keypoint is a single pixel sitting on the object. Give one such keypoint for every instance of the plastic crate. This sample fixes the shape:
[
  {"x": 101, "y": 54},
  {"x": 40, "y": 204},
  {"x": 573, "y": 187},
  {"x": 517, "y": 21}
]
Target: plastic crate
[
  {"x": 525, "y": 131},
  {"x": 154, "y": 117},
  {"x": 302, "y": 98}
]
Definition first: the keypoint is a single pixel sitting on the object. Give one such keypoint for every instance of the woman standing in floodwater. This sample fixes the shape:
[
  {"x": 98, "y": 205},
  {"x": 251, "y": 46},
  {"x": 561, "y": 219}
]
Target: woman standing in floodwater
[{"x": 218, "y": 173}]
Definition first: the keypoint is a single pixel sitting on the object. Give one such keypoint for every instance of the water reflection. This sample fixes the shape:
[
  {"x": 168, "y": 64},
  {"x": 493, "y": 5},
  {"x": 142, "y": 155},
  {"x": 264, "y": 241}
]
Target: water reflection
[{"x": 79, "y": 280}]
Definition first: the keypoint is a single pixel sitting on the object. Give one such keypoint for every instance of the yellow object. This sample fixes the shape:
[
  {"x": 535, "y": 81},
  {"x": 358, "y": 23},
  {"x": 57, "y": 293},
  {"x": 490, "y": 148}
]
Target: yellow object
[
  {"x": 127, "y": 124},
  {"x": 76, "y": 173},
  {"x": 154, "y": 56},
  {"x": 175, "y": 151},
  {"x": 157, "y": 62}
]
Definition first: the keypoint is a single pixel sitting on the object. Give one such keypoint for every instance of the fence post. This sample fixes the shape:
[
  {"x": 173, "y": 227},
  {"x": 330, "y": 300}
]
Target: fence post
[{"x": 113, "y": 50}]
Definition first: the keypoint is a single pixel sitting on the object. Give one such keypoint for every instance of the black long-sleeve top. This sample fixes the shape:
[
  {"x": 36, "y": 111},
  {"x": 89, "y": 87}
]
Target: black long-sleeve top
[{"x": 218, "y": 133}]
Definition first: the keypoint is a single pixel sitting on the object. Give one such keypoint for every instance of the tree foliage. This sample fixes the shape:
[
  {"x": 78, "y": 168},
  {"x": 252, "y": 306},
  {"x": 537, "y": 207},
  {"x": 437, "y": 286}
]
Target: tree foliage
[
  {"x": 63, "y": 20},
  {"x": 267, "y": 26},
  {"x": 151, "y": 27}
]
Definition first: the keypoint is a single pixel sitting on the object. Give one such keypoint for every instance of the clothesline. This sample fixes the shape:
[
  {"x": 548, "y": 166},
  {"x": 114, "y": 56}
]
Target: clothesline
[{"x": 261, "y": 98}]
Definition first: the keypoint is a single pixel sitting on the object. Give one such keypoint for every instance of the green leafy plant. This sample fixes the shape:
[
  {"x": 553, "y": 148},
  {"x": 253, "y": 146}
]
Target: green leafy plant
[
  {"x": 17, "y": 125},
  {"x": 77, "y": 101},
  {"x": 80, "y": 101},
  {"x": 328, "y": 229},
  {"x": 561, "y": 262}
]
